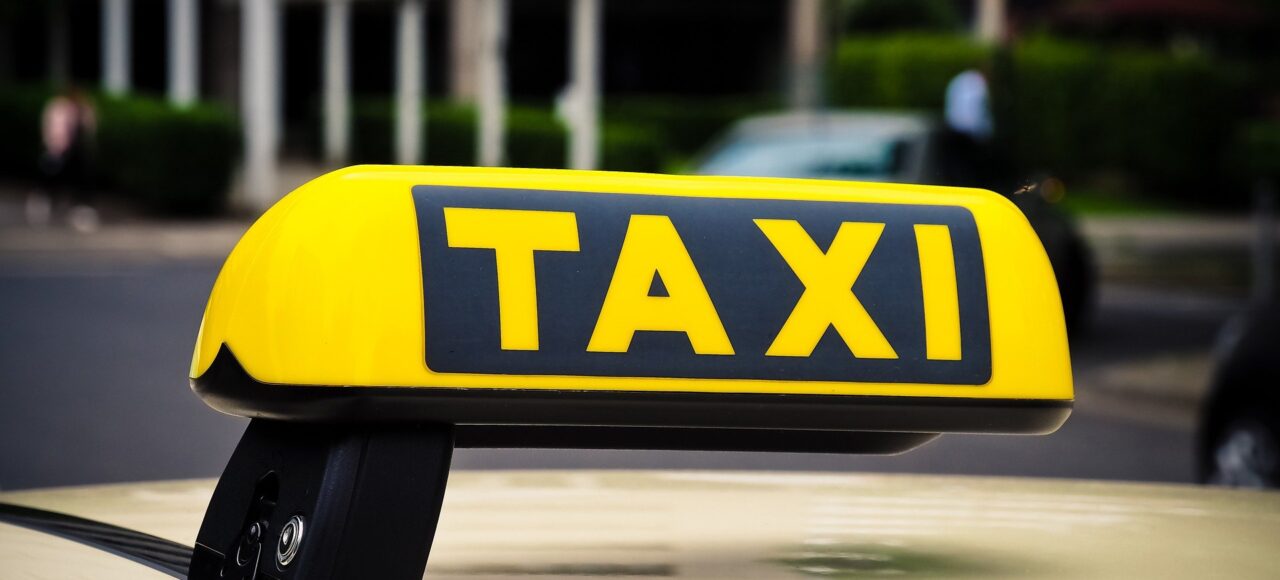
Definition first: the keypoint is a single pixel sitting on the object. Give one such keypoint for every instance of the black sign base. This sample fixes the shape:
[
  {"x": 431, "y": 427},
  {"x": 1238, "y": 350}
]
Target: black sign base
[{"x": 366, "y": 498}]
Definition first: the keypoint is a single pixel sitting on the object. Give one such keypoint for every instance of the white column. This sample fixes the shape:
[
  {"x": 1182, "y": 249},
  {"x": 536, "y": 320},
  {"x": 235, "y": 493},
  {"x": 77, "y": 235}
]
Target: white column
[
  {"x": 492, "y": 83},
  {"x": 115, "y": 45},
  {"x": 463, "y": 28},
  {"x": 409, "y": 32},
  {"x": 184, "y": 51},
  {"x": 337, "y": 81},
  {"x": 584, "y": 116},
  {"x": 988, "y": 21},
  {"x": 805, "y": 46},
  {"x": 258, "y": 102}
]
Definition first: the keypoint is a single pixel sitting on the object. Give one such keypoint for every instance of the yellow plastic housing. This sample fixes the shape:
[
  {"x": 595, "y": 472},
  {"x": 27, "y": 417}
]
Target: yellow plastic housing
[
  {"x": 326, "y": 289},
  {"x": 322, "y": 311}
]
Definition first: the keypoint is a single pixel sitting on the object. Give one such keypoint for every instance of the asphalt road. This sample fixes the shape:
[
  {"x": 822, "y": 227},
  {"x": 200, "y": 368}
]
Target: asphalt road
[{"x": 93, "y": 360}]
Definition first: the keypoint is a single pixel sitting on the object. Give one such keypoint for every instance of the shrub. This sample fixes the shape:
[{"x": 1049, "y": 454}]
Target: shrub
[
  {"x": 1068, "y": 108},
  {"x": 371, "y": 139},
  {"x": 683, "y": 125},
  {"x": 1165, "y": 119},
  {"x": 1045, "y": 121},
  {"x": 170, "y": 159},
  {"x": 629, "y": 147},
  {"x": 535, "y": 138},
  {"x": 166, "y": 158},
  {"x": 1256, "y": 152},
  {"x": 20, "y": 111},
  {"x": 903, "y": 71}
]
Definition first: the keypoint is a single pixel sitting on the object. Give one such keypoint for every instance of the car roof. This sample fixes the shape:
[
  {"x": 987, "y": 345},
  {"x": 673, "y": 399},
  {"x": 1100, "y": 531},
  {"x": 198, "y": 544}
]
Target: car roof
[
  {"x": 691, "y": 524},
  {"x": 865, "y": 122}
]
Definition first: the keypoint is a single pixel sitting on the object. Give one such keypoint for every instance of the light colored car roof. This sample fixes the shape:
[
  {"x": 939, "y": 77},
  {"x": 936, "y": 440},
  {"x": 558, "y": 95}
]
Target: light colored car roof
[
  {"x": 870, "y": 123},
  {"x": 576, "y": 524}
]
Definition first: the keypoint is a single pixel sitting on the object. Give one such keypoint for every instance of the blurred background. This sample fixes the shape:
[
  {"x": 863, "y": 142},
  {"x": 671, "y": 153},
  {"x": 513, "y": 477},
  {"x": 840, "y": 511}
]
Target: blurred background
[{"x": 140, "y": 138}]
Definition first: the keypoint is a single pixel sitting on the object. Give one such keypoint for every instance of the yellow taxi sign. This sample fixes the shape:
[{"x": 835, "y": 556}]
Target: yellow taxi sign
[{"x": 560, "y": 298}]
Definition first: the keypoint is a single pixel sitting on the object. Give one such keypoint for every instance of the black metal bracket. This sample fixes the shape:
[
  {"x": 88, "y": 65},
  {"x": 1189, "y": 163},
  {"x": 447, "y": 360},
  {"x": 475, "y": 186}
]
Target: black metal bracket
[{"x": 300, "y": 500}]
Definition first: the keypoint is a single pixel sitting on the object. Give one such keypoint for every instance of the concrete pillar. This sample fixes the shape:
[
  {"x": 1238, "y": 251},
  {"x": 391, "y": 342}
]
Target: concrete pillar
[
  {"x": 116, "y": 38},
  {"x": 491, "y": 73},
  {"x": 336, "y": 46},
  {"x": 184, "y": 51},
  {"x": 584, "y": 116},
  {"x": 989, "y": 20},
  {"x": 464, "y": 25},
  {"x": 805, "y": 49},
  {"x": 409, "y": 33},
  {"x": 259, "y": 109}
]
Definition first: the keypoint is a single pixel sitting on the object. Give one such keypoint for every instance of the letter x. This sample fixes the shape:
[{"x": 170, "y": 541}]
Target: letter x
[{"x": 828, "y": 298}]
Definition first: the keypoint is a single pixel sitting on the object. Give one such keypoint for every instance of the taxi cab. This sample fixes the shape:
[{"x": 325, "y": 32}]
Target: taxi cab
[{"x": 379, "y": 317}]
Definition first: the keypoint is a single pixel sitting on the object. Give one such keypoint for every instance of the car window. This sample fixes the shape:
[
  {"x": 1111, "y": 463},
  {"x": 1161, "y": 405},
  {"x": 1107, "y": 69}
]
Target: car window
[{"x": 824, "y": 156}]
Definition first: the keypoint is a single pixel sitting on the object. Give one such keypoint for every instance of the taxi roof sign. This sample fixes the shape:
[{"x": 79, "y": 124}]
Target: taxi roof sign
[{"x": 580, "y": 309}]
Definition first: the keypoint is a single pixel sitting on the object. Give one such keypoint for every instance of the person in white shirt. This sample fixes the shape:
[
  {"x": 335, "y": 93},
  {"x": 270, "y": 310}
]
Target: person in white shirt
[
  {"x": 968, "y": 106},
  {"x": 966, "y": 143}
]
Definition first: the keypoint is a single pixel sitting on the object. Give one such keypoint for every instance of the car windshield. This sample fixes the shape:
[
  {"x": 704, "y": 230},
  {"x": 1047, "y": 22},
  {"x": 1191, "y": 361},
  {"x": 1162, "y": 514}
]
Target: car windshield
[{"x": 826, "y": 155}]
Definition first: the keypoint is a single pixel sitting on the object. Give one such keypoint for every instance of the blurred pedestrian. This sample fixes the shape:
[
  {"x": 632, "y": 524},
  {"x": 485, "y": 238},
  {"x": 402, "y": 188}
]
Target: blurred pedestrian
[
  {"x": 68, "y": 125},
  {"x": 969, "y": 129}
]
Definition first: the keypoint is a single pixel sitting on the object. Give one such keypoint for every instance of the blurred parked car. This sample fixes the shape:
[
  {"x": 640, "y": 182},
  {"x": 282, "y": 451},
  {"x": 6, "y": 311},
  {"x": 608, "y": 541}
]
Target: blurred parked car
[
  {"x": 889, "y": 147},
  {"x": 1239, "y": 437}
]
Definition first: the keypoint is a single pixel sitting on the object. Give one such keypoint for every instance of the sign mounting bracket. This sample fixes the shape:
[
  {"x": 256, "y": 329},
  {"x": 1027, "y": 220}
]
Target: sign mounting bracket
[{"x": 303, "y": 500}]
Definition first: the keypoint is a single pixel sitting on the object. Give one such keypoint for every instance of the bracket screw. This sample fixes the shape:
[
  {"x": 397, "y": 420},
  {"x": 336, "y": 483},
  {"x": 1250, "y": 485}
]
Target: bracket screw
[
  {"x": 255, "y": 533},
  {"x": 290, "y": 540}
]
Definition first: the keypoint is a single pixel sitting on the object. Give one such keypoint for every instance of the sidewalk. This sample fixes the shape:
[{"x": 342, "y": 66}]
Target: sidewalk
[
  {"x": 1168, "y": 284},
  {"x": 1149, "y": 354},
  {"x": 124, "y": 235},
  {"x": 211, "y": 240},
  {"x": 1188, "y": 252}
]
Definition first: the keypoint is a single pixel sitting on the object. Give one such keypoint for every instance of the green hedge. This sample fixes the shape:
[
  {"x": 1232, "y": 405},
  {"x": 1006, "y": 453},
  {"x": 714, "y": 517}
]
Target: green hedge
[
  {"x": 168, "y": 159},
  {"x": 535, "y": 138},
  {"x": 1167, "y": 120},
  {"x": 1256, "y": 153},
  {"x": 632, "y": 148},
  {"x": 1044, "y": 122},
  {"x": 684, "y": 124},
  {"x": 171, "y": 159},
  {"x": 449, "y": 133},
  {"x": 903, "y": 71},
  {"x": 20, "y": 112},
  {"x": 1069, "y": 108}
]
